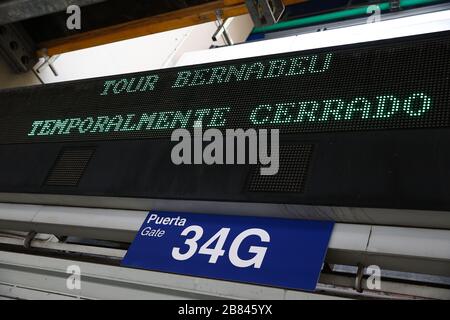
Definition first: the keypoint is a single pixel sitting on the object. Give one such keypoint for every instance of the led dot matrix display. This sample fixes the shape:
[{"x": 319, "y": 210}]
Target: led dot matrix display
[{"x": 390, "y": 84}]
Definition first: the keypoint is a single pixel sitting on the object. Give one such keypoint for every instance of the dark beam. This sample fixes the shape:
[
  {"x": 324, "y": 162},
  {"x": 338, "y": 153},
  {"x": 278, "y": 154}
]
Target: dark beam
[{"x": 18, "y": 10}]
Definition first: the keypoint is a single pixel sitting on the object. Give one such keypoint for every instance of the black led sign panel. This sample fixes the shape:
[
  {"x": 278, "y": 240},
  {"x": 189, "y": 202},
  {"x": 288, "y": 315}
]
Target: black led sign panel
[
  {"x": 364, "y": 125},
  {"x": 392, "y": 85}
]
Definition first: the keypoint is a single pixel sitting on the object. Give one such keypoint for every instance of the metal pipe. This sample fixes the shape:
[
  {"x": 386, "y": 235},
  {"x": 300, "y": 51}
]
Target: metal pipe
[
  {"x": 394, "y": 248},
  {"x": 67, "y": 247}
]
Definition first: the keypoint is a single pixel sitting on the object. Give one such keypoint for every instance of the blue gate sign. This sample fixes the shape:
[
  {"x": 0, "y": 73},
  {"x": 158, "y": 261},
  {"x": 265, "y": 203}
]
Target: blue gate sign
[{"x": 268, "y": 251}]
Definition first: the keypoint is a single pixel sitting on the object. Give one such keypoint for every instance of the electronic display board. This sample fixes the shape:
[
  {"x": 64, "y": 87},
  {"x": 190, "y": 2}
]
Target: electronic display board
[
  {"x": 361, "y": 125},
  {"x": 403, "y": 84}
]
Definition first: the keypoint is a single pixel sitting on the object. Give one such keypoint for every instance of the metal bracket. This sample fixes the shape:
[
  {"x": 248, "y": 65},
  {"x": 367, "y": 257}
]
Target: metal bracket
[
  {"x": 221, "y": 30},
  {"x": 265, "y": 12},
  {"x": 359, "y": 278},
  {"x": 17, "y": 48},
  {"x": 48, "y": 62},
  {"x": 27, "y": 241}
]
